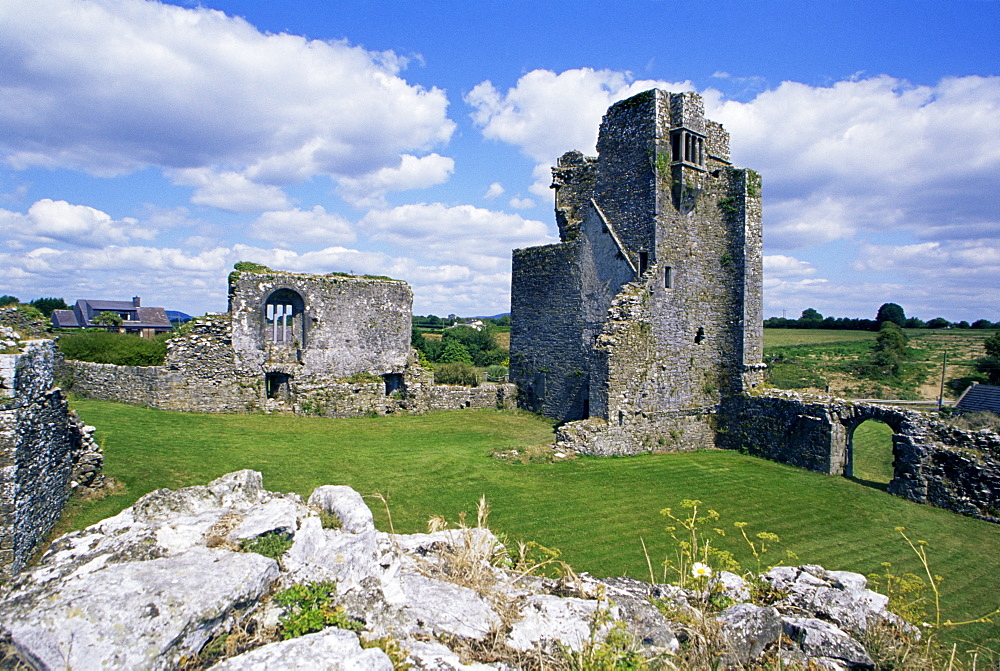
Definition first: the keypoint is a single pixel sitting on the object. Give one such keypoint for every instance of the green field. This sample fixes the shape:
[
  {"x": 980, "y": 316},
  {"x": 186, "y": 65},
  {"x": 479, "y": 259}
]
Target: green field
[
  {"x": 594, "y": 510},
  {"x": 817, "y": 360}
]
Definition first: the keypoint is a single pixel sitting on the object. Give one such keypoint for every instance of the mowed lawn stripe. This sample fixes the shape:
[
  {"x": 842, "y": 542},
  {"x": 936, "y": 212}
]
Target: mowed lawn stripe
[{"x": 593, "y": 510}]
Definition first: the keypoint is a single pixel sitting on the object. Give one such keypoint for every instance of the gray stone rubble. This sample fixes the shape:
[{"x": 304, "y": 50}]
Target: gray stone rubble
[{"x": 150, "y": 587}]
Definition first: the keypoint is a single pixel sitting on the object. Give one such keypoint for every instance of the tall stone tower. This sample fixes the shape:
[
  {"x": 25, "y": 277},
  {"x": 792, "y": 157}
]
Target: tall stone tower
[{"x": 648, "y": 313}]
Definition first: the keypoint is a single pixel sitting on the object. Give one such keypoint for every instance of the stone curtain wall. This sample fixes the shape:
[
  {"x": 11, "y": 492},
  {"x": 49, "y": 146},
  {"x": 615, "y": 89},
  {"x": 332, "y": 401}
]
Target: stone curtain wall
[
  {"x": 934, "y": 463},
  {"x": 352, "y": 324},
  {"x": 202, "y": 373},
  {"x": 45, "y": 451}
]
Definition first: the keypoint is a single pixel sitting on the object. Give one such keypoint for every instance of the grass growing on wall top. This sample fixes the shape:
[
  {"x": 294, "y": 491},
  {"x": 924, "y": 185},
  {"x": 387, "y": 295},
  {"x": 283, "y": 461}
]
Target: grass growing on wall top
[{"x": 594, "y": 510}]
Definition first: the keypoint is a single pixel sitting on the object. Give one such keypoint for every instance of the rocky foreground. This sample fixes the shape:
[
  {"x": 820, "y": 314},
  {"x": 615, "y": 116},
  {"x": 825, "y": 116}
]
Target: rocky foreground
[{"x": 168, "y": 584}]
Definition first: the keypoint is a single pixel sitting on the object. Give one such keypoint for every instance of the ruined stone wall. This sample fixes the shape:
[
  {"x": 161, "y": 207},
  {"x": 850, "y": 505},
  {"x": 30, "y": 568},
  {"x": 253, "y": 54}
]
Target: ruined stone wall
[
  {"x": 45, "y": 451},
  {"x": 135, "y": 385},
  {"x": 654, "y": 295},
  {"x": 549, "y": 358},
  {"x": 348, "y": 325},
  {"x": 202, "y": 373},
  {"x": 933, "y": 462}
]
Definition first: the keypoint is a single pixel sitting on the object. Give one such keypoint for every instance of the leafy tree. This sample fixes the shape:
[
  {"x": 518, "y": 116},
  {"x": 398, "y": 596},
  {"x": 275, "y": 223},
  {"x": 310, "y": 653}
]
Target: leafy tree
[
  {"x": 810, "y": 319},
  {"x": 108, "y": 318},
  {"x": 455, "y": 351},
  {"x": 8, "y": 300},
  {"x": 938, "y": 323},
  {"x": 990, "y": 364},
  {"x": 992, "y": 345},
  {"x": 47, "y": 305},
  {"x": 890, "y": 312},
  {"x": 890, "y": 349},
  {"x": 480, "y": 343},
  {"x": 982, "y": 324},
  {"x": 431, "y": 349},
  {"x": 962, "y": 324},
  {"x": 915, "y": 323}
]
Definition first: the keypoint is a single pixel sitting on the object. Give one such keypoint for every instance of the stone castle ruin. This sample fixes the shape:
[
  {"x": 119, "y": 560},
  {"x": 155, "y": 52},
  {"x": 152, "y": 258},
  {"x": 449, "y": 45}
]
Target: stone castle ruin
[
  {"x": 642, "y": 329},
  {"x": 45, "y": 450},
  {"x": 332, "y": 345},
  {"x": 648, "y": 312}
]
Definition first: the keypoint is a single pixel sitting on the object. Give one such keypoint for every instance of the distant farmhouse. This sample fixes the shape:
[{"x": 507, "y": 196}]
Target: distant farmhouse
[
  {"x": 979, "y": 398},
  {"x": 145, "y": 321}
]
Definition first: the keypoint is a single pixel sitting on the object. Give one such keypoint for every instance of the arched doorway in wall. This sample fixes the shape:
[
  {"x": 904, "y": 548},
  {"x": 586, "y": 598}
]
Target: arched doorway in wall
[
  {"x": 284, "y": 318},
  {"x": 870, "y": 454}
]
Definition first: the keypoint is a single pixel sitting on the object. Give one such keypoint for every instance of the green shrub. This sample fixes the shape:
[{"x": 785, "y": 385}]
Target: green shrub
[
  {"x": 496, "y": 373},
  {"x": 329, "y": 520},
  {"x": 6, "y": 300},
  {"x": 457, "y": 372},
  {"x": 454, "y": 352},
  {"x": 250, "y": 267},
  {"x": 310, "y": 608},
  {"x": 122, "y": 349},
  {"x": 272, "y": 544}
]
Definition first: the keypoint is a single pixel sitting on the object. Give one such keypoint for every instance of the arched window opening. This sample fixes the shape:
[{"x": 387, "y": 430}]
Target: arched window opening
[
  {"x": 283, "y": 318},
  {"x": 870, "y": 458}
]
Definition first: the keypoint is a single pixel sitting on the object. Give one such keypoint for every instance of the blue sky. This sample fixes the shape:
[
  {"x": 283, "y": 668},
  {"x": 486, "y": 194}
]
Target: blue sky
[{"x": 145, "y": 147}]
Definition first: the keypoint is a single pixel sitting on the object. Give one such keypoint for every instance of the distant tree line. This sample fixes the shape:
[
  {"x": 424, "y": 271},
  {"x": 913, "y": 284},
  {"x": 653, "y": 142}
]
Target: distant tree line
[
  {"x": 888, "y": 312},
  {"x": 44, "y": 305}
]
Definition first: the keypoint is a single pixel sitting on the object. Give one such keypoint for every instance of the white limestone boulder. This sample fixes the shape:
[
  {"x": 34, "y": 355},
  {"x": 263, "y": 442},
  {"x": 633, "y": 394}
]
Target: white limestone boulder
[
  {"x": 135, "y": 615},
  {"x": 550, "y": 622},
  {"x": 355, "y": 515},
  {"x": 332, "y": 649}
]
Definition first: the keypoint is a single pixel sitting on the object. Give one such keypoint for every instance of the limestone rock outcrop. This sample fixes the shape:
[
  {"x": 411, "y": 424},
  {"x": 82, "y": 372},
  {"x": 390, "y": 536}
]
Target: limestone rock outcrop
[{"x": 170, "y": 582}]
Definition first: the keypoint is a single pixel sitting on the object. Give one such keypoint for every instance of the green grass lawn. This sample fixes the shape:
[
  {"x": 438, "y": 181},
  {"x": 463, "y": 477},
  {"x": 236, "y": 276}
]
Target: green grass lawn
[
  {"x": 785, "y": 337},
  {"x": 873, "y": 452},
  {"x": 594, "y": 510}
]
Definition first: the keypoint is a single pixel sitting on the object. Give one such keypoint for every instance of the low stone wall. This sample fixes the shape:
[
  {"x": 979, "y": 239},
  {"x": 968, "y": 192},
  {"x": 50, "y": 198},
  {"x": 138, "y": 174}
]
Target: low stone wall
[
  {"x": 168, "y": 388},
  {"x": 135, "y": 385},
  {"x": 486, "y": 395},
  {"x": 933, "y": 462},
  {"x": 669, "y": 431},
  {"x": 45, "y": 451}
]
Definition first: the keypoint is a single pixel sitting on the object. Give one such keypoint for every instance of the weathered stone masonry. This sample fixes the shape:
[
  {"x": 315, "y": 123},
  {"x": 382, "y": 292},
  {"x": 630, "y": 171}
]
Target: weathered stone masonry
[
  {"x": 45, "y": 451},
  {"x": 933, "y": 462},
  {"x": 642, "y": 330},
  {"x": 329, "y": 345},
  {"x": 648, "y": 312}
]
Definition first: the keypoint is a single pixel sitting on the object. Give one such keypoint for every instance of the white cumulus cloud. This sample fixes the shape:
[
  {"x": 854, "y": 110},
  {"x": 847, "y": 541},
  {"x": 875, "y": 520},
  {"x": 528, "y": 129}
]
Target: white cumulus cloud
[
  {"x": 476, "y": 236},
  {"x": 112, "y": 86},
  {"x": 286, "y": 227},
  {"x": 56, "y": 221},
  {"x": 547, "y": 114},
  {"x": 495, "y": 190},
  {"x": 412, "y": 173}
]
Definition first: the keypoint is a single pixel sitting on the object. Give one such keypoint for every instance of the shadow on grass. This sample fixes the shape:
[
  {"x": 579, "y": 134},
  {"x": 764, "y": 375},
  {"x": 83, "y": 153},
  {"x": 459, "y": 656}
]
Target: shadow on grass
[{"x": 881, "y": 486}]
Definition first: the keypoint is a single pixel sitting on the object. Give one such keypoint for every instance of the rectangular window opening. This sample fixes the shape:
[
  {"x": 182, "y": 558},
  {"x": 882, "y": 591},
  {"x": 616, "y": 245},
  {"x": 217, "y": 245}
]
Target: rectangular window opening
[
  {"x": 643, "y": 262},
  {"x": 668, "y": 280}
]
